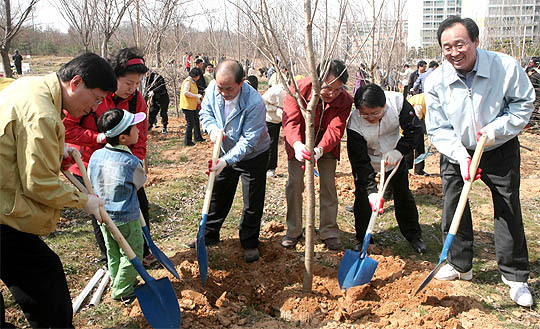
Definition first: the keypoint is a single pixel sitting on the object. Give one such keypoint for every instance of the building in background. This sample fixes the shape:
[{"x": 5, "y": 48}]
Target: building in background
[
  {"x": 512, "y": 22},
  {"x": 433, "y": 13}
]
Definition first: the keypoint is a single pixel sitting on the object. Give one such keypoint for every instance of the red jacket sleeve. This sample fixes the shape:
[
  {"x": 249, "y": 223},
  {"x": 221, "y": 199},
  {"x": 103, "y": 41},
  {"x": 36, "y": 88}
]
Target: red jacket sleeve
[
  {"x": 139, "y": 148},
  {"x": 336, "y": 127},
  {"x": 76, "y": 133},
  {"x": 293, "y": 120}
]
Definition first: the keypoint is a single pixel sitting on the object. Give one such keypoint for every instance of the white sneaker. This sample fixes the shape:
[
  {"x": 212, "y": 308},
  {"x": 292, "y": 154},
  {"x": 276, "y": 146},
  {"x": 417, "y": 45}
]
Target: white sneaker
[
  {"x": 448, "y": 272},
  {"x": 270, "y": 173},
  {"x": 519, "y": 292}
]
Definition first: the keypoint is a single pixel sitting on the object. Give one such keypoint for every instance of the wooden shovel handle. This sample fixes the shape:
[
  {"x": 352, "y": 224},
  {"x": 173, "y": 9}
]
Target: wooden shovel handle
[
  {"x": 467, "y": 185},
  {"x": 104, "y": 215},
  {"x": 212, "y": 174}
]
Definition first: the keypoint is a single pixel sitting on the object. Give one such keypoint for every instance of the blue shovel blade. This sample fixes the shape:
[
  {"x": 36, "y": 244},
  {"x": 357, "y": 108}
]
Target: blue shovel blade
[
  {"x": 442, "y": 258},
  {"x": 159, "y": 303},
  {"x": 349, "y": 261},
  {"x": 202, "y": 257},
  {"x": 160, "y": 256}
]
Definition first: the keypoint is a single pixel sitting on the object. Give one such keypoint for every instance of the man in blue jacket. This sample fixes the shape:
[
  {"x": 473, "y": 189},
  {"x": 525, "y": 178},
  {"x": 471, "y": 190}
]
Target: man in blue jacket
[
  {"x": 233, "y": 106},
  {"x": 480, "y": 92}
]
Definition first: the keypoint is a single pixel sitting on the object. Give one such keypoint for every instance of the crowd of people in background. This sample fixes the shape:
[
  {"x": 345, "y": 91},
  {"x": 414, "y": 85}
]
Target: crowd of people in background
[{"x": 103, "y": 106}]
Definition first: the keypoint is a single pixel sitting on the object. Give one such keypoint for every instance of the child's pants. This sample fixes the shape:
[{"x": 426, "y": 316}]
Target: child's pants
[{"x": 123, "y": 274}]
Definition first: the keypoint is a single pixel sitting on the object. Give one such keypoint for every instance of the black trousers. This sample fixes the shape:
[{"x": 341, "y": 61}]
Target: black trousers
[
  {"x": 404, "y": 206},
  {"x": 35, "y": 276},
  {"x": 143, "y": 204},
  {"x": 253, "y": 177},
  {"x": 501, "y": 173},
  {"x": 159, "y": 105},
  {"x": 273, "y": 131},
  {"x": 192, "y": 126},
  {"x": 418, "y": 149}
]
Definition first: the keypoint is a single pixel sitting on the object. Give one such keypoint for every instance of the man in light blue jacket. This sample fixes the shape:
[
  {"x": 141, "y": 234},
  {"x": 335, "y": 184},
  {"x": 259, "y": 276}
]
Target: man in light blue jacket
[
  {"x": 233, "y": 106},
  {"x": 480, "y": 92}
]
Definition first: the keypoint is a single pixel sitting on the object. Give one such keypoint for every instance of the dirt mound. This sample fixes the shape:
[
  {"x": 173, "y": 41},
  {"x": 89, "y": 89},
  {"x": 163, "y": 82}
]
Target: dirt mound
[{"x": 273, "y": 286}]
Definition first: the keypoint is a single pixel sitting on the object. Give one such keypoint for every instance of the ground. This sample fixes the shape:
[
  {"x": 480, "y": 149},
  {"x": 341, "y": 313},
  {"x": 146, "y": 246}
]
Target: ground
[{"x": 268, "y": 293}]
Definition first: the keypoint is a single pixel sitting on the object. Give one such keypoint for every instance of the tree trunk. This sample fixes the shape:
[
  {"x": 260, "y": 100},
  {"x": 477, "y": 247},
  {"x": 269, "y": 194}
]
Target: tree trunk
[
  {"x": 104, "y": 51},
  {"x": 5, "y": 61},
  {"x": 309, "y": 177},
  {"x": 158, "y": 51}
]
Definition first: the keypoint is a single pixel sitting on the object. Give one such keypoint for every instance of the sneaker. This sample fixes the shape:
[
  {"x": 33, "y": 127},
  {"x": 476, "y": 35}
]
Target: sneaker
[
  {"x": 207, "y": 240},
  {"x": 149, "y": 261},
  {"x": 164, "y": 130},
  {"x": 126, "y": 300},
  {"x": 251, "y": 255},
  {"x": 418, "y": 245},
  {"x": 270, "y": 173},
  {"x": 349, "y": 209},
  {"x": 288, "y": 242},
  {"x": 332, "y": 243},
  {"x": 448, "y": 272},
  {"x": 519, "y": 292}
]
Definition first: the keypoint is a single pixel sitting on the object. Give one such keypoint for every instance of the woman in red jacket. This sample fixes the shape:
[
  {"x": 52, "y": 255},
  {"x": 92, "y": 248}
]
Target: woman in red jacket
[{"x": 82, "y": 133}]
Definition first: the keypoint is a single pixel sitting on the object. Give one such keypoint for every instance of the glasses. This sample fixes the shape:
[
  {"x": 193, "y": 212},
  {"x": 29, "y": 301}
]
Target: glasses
[
  {"x": 460, "y": 46},
  {"x": 98, "y": 98},
  {"x": 329, "y": 90}
]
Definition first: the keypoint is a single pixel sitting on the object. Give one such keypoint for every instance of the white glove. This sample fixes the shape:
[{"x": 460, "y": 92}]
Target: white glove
[
  {"x": 489, "y": 132},
  {"x": 318, "y": 153},
  {"x": 373, "y": 202},
  {"x": 68, "y": 150},
  {"x": 101, "y": 138},
  {"x": 92, "y": 206},
  {"x": 392, "y": 157},
  {"x": 418, "y": 111},
  {"x": 301, "y": 152},
  {"x": 218, "y": 166}
]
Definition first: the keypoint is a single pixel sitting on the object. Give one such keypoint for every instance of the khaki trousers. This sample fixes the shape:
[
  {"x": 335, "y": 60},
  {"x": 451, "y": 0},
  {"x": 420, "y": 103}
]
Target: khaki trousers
[{"x": 328, "y": 227}]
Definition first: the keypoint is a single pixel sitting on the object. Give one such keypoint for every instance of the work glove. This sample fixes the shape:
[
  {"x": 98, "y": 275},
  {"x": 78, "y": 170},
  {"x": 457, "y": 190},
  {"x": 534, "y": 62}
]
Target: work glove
[
  {"x": 464, "y": 166},
  {"x": 373, "y": 202},
  {"x": 392, "y": 157},
  {"x": 92, "y": 206},
  {"x": 490, "y": 133},
  {"x": 67, "y": 160},
  {"x": 101, "y": 138},
  {"x": 418, "y": 111},
  {"x": 217, "y": 167},
  {"x": 301, "y": 153},
  {"x": 318, "y": 153}
]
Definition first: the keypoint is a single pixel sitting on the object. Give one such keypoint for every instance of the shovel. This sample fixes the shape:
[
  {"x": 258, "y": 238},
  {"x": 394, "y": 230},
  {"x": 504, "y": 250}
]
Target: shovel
[
  {"x": 459, "y": 211},
  {"x": 160, "y": 256},
  {"x": 357, "y": 268},
  {"x": 423, "y": 156},
  {"x": 156, "y": 297},
  {"x": 202, "y": 256}
]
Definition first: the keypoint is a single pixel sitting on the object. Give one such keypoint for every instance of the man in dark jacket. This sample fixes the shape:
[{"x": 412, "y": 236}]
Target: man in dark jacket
[
  {"x": 420, "y": 68},
  {"x": 156, "y": 92}
]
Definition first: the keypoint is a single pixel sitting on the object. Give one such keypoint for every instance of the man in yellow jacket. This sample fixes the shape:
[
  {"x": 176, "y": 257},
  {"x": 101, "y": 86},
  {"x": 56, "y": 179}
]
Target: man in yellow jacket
[{"x": 31, "y": 193}]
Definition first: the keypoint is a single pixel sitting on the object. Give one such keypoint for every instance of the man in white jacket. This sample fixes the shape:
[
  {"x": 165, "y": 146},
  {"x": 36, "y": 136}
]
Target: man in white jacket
[{"x": 480, "y": 92}]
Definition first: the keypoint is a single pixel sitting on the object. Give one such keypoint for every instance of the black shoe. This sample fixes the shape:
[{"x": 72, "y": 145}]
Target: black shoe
[
  {"x": 349, "y": 208},
  {"x": 332, "y": 243},
  {"x": 189, "y": 144},
  {"x": 200, "y": 140},
  {"x": 126, "y": 300},
  {"x": 418, "y": 245},
  {"x": 251, "y": 255},
  {"x": 422, "y": 173},
  {"x": 288, "y": 242},
  {"x": 207, "y": 240},
  {"x": 358, "y": 246},
  {"x": 164, "y": 130}
]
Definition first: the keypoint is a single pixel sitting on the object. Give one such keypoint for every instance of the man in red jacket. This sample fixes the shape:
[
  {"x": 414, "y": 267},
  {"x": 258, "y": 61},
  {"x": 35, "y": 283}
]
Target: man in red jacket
[
  {"x": 330, "y": 120},
  {"x": 82, "y": 133}
]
